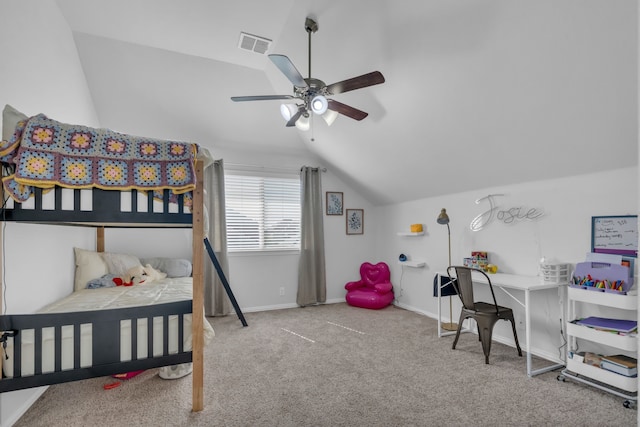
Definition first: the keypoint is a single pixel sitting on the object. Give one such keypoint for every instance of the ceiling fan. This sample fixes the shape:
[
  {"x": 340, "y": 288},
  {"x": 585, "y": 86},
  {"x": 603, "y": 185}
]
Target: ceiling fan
[{"x": 311, "y": 95}]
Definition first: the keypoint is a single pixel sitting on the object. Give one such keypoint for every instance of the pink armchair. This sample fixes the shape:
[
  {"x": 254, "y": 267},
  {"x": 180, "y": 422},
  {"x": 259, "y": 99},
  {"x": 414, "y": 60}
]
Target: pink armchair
[{"x": 374, "y": 289}]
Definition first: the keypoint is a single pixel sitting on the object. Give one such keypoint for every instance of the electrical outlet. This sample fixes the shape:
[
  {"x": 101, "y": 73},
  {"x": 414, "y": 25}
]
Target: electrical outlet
[{"x": 282, "y": 291}]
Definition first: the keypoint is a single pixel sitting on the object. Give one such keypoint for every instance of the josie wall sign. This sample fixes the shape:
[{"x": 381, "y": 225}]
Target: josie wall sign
[{"x": 506, "y": 216}]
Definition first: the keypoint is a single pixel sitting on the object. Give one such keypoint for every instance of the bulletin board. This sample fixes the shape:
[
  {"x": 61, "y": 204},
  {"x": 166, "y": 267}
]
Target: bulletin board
[{"x": 616, "y": 235}]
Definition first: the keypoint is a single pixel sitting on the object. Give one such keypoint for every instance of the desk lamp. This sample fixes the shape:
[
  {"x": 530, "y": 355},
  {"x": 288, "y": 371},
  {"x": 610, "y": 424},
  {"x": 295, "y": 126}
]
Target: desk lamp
[{"x": 443, "y": 219}]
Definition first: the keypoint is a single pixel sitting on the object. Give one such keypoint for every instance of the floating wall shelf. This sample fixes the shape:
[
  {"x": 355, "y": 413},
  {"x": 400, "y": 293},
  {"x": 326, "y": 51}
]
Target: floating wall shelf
[
  {"x": 409, "y": 233},
  {"x": 412, "y": 263}
]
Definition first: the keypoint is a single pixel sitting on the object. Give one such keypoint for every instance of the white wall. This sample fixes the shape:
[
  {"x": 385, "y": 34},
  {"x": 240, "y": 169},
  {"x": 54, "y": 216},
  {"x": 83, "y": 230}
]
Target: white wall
[
  {"x": 562, "y": 235},
  {"x": 257, "y": 278},
  {"x": 40, "y": 73}
]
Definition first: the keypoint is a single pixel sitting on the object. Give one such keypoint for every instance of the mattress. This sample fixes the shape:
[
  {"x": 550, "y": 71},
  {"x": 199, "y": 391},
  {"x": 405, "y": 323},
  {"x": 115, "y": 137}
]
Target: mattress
[{"x": 158, "y": 292}]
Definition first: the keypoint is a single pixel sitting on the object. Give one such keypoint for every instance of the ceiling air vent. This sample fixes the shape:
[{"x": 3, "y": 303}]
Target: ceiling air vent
[{"x": 254, "y": 43}]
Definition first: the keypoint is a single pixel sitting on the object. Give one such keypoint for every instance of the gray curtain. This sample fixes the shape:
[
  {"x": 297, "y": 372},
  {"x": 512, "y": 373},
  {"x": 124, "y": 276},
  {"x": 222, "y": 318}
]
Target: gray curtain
[
  {"x": 312, "y": 283},
  {"x": 216, "y": 301}
]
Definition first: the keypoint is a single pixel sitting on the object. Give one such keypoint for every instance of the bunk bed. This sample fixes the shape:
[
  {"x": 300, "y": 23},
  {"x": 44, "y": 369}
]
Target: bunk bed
[{"x": 156, "y": 334}]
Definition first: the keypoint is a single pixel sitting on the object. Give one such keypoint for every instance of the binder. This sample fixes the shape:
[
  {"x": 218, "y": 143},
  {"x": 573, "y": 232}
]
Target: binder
[
  {"x": 620, "y": 364},
  {"x": 617, "y": 325},
  {"x": 621, "y": 360},
  {"x": 627, "y": 372}
]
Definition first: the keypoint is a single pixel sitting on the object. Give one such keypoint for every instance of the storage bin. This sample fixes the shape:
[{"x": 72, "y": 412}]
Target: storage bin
[
  {"x": 556, "y": 273},
  {"x": 609, "y": 273}
]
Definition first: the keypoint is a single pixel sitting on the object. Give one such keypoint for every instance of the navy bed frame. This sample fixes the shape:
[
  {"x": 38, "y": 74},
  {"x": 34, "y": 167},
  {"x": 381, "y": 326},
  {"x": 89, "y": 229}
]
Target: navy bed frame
[
  {"x": 103, "y": 202},
  {"x": 105, "y": 323},
  {"x": 105, "y": 343}
]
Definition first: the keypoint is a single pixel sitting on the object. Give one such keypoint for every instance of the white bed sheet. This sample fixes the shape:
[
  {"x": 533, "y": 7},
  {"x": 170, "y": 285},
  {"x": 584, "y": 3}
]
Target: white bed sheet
[{"x": 158, "y": 292}]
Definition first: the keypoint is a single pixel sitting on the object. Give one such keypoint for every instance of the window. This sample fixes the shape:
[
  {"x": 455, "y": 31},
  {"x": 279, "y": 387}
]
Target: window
[{"x": 263, "y": 212}]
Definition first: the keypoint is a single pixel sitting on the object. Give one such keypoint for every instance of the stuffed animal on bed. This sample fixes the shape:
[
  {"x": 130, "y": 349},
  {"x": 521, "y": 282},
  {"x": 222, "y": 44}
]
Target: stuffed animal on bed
[{"x": 139, "y": 275}]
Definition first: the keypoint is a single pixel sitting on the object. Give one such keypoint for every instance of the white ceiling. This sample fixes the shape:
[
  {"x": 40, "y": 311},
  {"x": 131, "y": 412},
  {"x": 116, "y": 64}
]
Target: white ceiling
[{"x": 478, "y": 93}]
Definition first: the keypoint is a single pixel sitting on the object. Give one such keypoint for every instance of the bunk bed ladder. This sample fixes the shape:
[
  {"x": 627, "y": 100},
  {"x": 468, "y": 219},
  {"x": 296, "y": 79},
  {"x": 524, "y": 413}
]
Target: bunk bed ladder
[{"x": 224, "y": 281}]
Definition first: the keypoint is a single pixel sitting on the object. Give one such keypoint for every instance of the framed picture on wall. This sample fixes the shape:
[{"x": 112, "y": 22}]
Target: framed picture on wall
[
  {"x": 334, "y": 202},
  {"x": 355, "y": 221}
]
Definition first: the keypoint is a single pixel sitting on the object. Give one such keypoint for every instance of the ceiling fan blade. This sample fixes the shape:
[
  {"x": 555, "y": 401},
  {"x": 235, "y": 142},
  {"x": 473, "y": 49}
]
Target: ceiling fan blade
[
  {"x": 292, "y": 121},
  {"x": 260, "y": 98},
  {"x": 370, "y": 79},
  {"x": 288, "y": 69},
  {"x": 346, "y": 110}
]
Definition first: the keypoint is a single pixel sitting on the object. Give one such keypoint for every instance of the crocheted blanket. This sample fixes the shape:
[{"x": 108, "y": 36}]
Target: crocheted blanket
[{"x": 46, "y": 153}]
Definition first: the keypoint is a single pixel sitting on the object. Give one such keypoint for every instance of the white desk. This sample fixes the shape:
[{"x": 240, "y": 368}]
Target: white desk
[{"x": 508, "y": 282}]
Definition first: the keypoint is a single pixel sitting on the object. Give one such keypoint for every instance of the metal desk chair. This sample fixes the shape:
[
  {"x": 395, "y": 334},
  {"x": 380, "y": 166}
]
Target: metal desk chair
[{"x": 485, "y": 314}]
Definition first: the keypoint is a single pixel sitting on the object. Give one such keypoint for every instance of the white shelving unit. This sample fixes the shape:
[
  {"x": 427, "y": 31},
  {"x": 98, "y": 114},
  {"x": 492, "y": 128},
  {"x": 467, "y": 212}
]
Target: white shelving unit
[
  {"x": 415, "y": 263},
  {"x": 620, "y": 385}
]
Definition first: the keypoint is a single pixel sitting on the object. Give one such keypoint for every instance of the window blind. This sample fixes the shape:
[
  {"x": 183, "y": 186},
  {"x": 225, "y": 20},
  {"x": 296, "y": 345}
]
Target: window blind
[{"x": 262, "y": 212}]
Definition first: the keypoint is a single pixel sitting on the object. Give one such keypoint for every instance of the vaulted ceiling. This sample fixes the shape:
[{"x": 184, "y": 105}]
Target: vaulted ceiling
[{"x": 478, "y": 93}]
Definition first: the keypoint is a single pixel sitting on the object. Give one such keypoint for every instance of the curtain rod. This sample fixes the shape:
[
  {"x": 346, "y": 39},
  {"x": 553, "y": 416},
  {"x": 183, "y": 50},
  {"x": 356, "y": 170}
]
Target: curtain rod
[{"x": 241, "y": 165}]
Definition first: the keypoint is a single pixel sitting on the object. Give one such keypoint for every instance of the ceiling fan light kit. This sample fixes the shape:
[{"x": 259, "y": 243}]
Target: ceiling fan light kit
[
  {"x": 288, "y": 110},
  {"x": 319, "y": 104},
  {"x": 303, "y": 123},
  {"x": 330, "y": 116},
  {"x": 312, "y": 95}
]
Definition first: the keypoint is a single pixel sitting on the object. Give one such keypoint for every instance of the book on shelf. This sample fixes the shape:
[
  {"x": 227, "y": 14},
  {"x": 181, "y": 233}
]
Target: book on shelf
[
  {"x": 592, "y": 359},
  {"x": 620, "y": 364},
  {"x": 627, "y": 372},
  {"x": 622, "y": 360},
  {"x": 614, "y": 325}
]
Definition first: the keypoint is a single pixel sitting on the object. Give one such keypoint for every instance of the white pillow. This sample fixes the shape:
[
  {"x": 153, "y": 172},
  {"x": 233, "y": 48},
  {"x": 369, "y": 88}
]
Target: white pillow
[
  {"x": 118, "y": 264},
  {"x": 10, "y": 119},
  {"x": 89, "y": 266},
  {"x": 174, "y": 267}
]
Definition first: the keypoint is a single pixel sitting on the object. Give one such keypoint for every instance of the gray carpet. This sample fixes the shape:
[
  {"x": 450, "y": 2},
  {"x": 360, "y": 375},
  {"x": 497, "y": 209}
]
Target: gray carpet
[{"x": 336, "y": 365}]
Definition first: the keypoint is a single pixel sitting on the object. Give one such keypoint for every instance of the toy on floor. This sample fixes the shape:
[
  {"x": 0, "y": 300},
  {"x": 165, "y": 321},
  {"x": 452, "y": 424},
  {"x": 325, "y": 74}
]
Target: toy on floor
[
  {"x": 124, "y": 376},
  {"x": 128, "y": 375},
  {"x": 174, "y": 372},
  {"x": 109, "y": 386}
]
